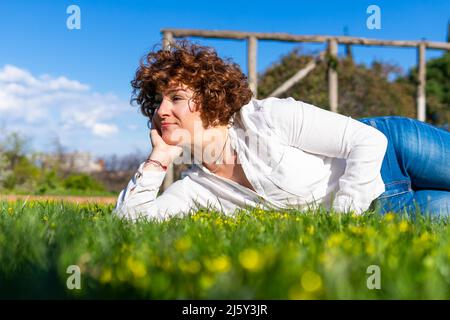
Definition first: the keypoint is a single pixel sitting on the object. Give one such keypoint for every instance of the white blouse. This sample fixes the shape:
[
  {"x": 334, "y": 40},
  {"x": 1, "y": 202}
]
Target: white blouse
[{"x": 294, "y": 154}]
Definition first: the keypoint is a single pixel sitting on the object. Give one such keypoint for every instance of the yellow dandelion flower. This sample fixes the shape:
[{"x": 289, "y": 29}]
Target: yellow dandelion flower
[
  {"x": 220, "y": 264},
  {"x": 206, "y": 282},
  {"x": 311, "y": 281},
  {"x": 106, "y": 276},
  {"x": 425, "y": 237},
  {"x": 183, "y": 244},
  {"x": 10, "y": 211},
  {"x": 403, "y": 226},
  {"x": 335, "y": 240},
  {"x": 355, "y": 229},
  {"x": 251, "y": 260},
  {"x": 311, "y": 230},
  {"x": 389, "y": 217},
  {"x": 136, "y": 267},
  {"x": 428, "y": 262},
  {"x": 370, "y": 232},
  {"x": 370, "y": 249}
]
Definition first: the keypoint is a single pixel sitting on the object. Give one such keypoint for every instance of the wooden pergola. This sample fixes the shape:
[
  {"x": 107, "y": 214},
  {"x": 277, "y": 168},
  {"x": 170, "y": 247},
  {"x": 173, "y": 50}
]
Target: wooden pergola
[{"x": 332, "y": 50}]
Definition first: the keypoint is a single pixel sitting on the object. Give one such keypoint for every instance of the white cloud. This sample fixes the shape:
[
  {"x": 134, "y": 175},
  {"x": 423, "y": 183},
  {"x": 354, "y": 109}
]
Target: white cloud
[
  {"x": 104, "y": 130},
  {"x": 132, "y": 127},
  {"x": 39, "y": 104}
]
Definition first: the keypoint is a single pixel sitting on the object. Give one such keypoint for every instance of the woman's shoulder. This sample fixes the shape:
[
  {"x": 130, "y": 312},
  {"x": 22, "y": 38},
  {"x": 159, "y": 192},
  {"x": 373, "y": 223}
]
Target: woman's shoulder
[{"x": 269, "y": 111}]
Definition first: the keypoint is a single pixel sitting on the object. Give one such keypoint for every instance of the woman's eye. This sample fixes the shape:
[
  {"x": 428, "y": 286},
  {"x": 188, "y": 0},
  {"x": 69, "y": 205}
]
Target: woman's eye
[{"x": 175, "y": 98}]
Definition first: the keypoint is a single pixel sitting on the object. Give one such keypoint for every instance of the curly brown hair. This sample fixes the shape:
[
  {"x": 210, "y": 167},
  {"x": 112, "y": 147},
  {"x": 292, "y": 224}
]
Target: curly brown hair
[{"x": 220, "y": 87}]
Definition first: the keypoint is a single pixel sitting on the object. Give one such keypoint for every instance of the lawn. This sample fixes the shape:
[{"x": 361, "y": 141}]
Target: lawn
[{"x": 255, "y": 254}]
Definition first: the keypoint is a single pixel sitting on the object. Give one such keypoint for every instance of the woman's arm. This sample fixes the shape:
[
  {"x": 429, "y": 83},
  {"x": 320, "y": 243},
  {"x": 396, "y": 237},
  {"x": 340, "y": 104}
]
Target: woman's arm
[
  {"x": 139, "y": 199},
  {"x": 319, "y": 131}
]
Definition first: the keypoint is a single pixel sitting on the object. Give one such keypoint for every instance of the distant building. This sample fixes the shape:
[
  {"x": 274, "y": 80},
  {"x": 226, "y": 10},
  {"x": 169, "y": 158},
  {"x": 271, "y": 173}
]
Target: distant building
[{"x": 82, "y": 162}]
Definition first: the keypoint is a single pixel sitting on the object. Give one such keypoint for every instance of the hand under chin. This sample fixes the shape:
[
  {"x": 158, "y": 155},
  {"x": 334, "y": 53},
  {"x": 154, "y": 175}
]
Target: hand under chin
[{"x": 171, "y": 142}]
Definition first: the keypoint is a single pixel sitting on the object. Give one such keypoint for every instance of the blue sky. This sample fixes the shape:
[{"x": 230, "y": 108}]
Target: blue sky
[{"x": 75, "y": 83}]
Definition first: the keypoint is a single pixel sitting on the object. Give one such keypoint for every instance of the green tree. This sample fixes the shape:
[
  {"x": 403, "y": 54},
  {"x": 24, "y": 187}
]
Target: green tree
[
  {"x": 437, "y": 88},
  {"x": 25, "y": 175},
  {"x": 5, "y": 171},
  {"x": 363, "y": 91}
]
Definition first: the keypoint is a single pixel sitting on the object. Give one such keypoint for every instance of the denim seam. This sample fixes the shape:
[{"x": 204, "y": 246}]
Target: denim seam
[
  {"x": 394, "y": 183},
  {"x": 393, "y": 195},
  {"x": 398, "y": 182}
]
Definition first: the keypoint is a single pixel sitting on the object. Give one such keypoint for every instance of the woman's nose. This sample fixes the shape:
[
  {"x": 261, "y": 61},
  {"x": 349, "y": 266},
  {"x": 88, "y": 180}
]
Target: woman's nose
[{"x": 164, "y": 108}]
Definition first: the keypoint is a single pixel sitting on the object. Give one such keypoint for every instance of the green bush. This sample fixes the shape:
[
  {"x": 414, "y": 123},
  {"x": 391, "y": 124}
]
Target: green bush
[
  {"x": 24, "y": 174},
  {"x": 82, "y": 182},
  {"x": 49, "y": 181}
]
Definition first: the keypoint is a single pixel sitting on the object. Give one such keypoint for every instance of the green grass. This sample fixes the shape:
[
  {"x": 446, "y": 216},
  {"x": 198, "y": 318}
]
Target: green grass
[
  {"x": 256, "y": 254},
  {"x": 62, "y": 192}
]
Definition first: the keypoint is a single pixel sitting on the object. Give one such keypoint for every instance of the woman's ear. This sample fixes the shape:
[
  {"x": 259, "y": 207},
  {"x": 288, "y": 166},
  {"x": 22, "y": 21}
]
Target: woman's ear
[
  {"x": 215, "y": 123},
  {"x": 193, "y": 107}
]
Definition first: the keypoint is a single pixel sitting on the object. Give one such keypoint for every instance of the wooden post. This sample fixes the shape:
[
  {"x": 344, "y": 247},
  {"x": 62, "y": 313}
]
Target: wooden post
[
  {"x": 421, "y": 100},
  {"x": 170, "y": 174},
  {"x": 167, "y": 39},
  {"x": 251, "y": 62},
  {"x": 332, "y": 76}
]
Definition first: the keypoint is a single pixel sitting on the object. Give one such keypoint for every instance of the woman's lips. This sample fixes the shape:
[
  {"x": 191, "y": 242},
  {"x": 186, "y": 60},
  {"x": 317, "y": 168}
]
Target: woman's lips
[{"x": 165, "y": 125}]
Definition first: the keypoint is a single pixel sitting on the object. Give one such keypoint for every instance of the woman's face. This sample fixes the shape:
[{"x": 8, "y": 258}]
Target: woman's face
[{"x": 178, "y": 117}]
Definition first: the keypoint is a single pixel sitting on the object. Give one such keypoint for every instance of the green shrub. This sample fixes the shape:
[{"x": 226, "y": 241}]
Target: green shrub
[
  {"x": 24, "y": 174},
  {"x": 82, "y": 182},
  {"x": 49, "y": 181}
]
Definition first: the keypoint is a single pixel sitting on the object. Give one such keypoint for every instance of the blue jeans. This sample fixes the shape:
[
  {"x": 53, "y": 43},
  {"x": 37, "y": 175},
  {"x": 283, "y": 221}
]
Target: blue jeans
[{"x": 416, "y": 167}]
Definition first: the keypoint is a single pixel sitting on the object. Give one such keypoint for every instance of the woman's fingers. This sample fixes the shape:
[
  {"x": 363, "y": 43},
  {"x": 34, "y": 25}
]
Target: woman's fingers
[
  {"x": 155, "y": 134},
  {"x": 155, "y": 125}
]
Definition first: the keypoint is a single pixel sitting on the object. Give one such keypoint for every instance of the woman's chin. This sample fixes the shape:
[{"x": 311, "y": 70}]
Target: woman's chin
[{"x": 170, "y": 142}]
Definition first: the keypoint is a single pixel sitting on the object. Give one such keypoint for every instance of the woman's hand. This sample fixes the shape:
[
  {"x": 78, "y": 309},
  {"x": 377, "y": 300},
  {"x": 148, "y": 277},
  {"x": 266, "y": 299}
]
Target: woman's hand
[{"x": 162, "y": 151}]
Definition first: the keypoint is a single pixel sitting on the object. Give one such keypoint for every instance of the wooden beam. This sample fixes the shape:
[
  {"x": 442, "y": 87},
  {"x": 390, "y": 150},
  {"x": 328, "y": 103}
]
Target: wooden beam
[
  {"x": 297, "y": 77},
  {"x": 251, "y": 62},
  {"x": 421, "y": 99},
  {"x": 332, "y": 76},
  {"x": 225, "y": 34}
]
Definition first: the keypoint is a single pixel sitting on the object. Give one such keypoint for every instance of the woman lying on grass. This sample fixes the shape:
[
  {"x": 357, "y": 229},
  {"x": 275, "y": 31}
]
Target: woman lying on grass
[{"x": 273, "y": 153}]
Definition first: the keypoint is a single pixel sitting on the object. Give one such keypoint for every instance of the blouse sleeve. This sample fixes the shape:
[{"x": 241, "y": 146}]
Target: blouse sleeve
[
  {"x": 323, "y": 132},
  {"x": 139, "y": 199}
]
